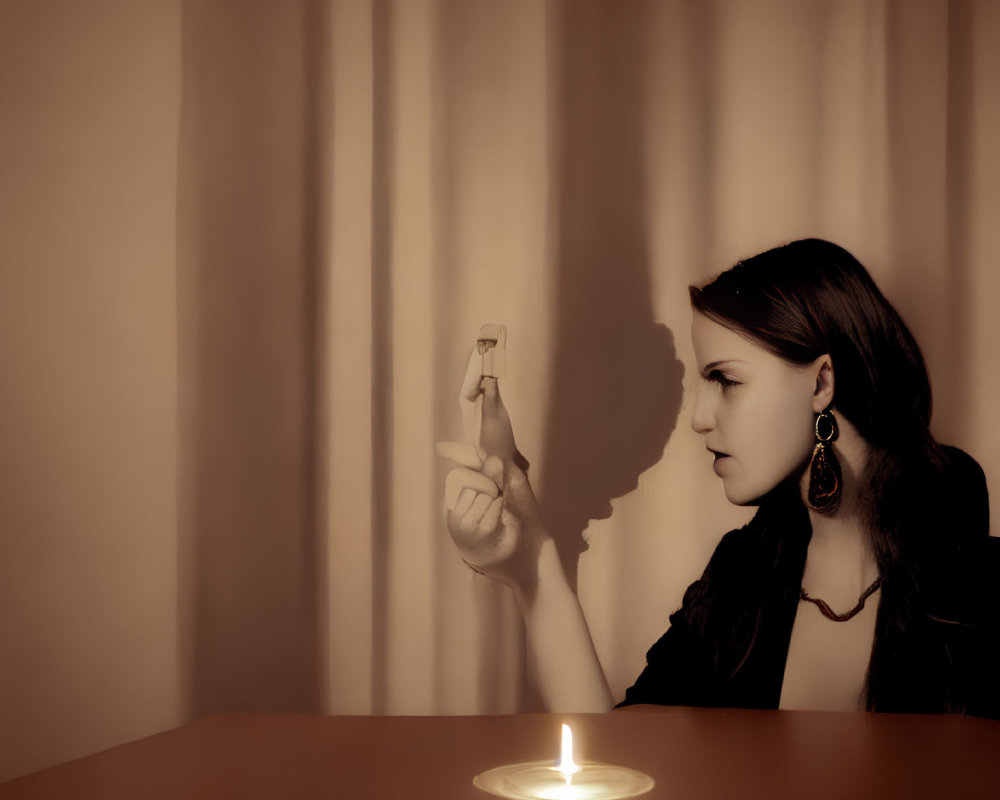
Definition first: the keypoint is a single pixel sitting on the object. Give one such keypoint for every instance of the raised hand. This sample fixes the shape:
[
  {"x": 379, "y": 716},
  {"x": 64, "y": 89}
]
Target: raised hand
[
  {"x": 496, "y": 524},
  {"x": 490, "y": 509}
]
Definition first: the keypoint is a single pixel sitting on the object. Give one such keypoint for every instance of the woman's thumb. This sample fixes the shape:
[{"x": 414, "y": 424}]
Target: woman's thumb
[{"x": 518, "y": 493}]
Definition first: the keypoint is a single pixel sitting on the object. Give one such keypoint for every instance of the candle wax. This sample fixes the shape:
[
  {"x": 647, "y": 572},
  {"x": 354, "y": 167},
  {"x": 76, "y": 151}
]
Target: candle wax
[{"x": 540, "y": 780}]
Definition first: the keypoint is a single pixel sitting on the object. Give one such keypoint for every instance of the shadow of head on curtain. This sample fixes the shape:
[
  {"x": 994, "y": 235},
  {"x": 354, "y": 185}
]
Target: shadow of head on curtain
[
  {"x": 616, "y": 402},
  {"x": 616, "y": 381}
]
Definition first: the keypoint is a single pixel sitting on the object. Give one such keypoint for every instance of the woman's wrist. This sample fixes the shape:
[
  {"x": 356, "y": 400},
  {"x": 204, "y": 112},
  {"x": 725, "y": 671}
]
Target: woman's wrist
[{"x": 544, "y": 579}]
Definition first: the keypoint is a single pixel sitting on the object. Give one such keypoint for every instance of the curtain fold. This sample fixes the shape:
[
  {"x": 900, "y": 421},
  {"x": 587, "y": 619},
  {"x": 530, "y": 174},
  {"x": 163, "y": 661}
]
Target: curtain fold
[{"x": 247, "y": 541}]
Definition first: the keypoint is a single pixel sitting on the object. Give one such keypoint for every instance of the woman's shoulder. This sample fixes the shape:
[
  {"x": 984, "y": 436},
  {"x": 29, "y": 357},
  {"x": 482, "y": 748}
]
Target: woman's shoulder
[
  {"x": 962, "y": 494},
  {"x": 960, "y": 463},
  {"x": 957, "y": 557}
]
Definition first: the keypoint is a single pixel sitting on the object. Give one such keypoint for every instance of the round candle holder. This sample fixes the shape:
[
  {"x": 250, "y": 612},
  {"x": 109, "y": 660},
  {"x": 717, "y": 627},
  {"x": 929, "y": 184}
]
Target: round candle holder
[{"x": 540, "y": 780}]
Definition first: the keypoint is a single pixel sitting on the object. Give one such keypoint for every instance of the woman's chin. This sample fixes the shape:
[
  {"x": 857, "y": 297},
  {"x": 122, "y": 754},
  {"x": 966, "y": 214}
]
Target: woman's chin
[
  {"x": 742, "y": 495},
  {"x": 733, "y": 496}
]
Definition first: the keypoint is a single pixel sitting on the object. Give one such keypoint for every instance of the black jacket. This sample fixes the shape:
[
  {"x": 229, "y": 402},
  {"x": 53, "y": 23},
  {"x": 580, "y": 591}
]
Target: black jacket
[{"x": 728, "y": 643}]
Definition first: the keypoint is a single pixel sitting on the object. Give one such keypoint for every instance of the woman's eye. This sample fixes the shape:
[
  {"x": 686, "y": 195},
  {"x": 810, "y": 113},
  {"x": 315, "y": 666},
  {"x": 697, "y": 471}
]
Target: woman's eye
[{"x": 722, "y": 379}]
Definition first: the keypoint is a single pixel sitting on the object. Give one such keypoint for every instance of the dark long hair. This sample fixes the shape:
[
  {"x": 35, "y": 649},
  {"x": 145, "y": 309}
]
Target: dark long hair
[{"x": 810, "y": 298}]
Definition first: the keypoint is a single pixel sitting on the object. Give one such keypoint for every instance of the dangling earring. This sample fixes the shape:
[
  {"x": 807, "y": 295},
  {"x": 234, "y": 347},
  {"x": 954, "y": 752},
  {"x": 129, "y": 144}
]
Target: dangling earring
[{"x": 824, "y": 469}]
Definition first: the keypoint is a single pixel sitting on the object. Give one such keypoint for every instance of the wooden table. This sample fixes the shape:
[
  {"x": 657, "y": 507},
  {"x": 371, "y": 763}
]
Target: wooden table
[{"x": 691, "y": 753}]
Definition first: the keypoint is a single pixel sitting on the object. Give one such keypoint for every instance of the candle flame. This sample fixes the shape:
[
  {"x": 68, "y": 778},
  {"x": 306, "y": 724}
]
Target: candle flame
[{"x": 567, "y": 766}]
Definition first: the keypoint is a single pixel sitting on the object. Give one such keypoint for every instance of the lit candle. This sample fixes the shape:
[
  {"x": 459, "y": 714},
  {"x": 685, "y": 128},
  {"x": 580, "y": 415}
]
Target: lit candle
[
  {"x": 567, "y": 766},
  {"x": 566, "y": 780}
]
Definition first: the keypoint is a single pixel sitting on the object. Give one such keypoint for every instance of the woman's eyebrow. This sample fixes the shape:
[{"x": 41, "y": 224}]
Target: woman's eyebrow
[{"x": 709, "y": 367}]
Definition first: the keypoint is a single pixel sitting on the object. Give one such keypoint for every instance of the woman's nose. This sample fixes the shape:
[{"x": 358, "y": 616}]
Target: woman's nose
[{"x": 703, "y": 417}]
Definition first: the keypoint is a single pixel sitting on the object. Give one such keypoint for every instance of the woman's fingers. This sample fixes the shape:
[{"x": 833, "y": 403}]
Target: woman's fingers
[
  {"x": 493, "y": 469},
  {"x": 473, "y": 375},
  {"x": 468, "y": 396},
  {"x": 465, "y": 499},
  {"x": 464, "y": 454},
  {"x": 472, "y": 517},
  {"x": 464, "y": 478},
  {"x": 491, "y": 517}
]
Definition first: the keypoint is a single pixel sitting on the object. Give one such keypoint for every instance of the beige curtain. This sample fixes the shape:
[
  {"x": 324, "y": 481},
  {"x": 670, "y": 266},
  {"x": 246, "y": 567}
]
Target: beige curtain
[{"x": 246, "y": 249}]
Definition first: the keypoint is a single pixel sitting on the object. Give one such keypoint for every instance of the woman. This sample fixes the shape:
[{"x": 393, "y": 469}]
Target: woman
[{"x": 859, "y": 583}]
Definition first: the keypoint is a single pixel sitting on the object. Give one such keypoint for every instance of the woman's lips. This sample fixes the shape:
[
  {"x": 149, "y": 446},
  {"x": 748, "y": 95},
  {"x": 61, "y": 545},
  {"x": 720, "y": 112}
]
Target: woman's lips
[{"x": 719, "y": 459}]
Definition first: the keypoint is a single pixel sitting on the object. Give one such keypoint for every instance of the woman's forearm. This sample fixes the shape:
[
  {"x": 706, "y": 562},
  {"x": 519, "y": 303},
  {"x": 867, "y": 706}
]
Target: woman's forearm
[{"x": 569, "y": 674}]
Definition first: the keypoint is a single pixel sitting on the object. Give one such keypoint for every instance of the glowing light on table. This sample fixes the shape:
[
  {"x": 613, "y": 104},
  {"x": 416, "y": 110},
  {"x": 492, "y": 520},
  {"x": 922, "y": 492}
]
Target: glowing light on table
[{"x": 566, "y": 780}]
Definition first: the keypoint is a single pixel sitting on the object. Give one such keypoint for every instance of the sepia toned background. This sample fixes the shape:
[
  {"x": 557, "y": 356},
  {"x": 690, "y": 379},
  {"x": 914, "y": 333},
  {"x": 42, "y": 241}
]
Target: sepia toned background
[{"x": 246, "y": 245}]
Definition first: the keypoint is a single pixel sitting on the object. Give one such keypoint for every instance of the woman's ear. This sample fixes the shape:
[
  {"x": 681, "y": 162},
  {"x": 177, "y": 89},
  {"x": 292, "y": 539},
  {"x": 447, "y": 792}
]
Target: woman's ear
[{"x": 822, "y": 368}]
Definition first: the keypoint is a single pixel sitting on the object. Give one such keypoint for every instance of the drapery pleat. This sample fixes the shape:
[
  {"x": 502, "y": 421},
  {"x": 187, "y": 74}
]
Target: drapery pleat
[
  {"x": 247, "y": 540},
  {"x": 357, "y": 186}
]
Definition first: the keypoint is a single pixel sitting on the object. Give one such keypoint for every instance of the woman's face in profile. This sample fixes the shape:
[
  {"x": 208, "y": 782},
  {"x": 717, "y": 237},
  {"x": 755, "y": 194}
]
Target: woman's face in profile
[{"x": 755, "y": 410}]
